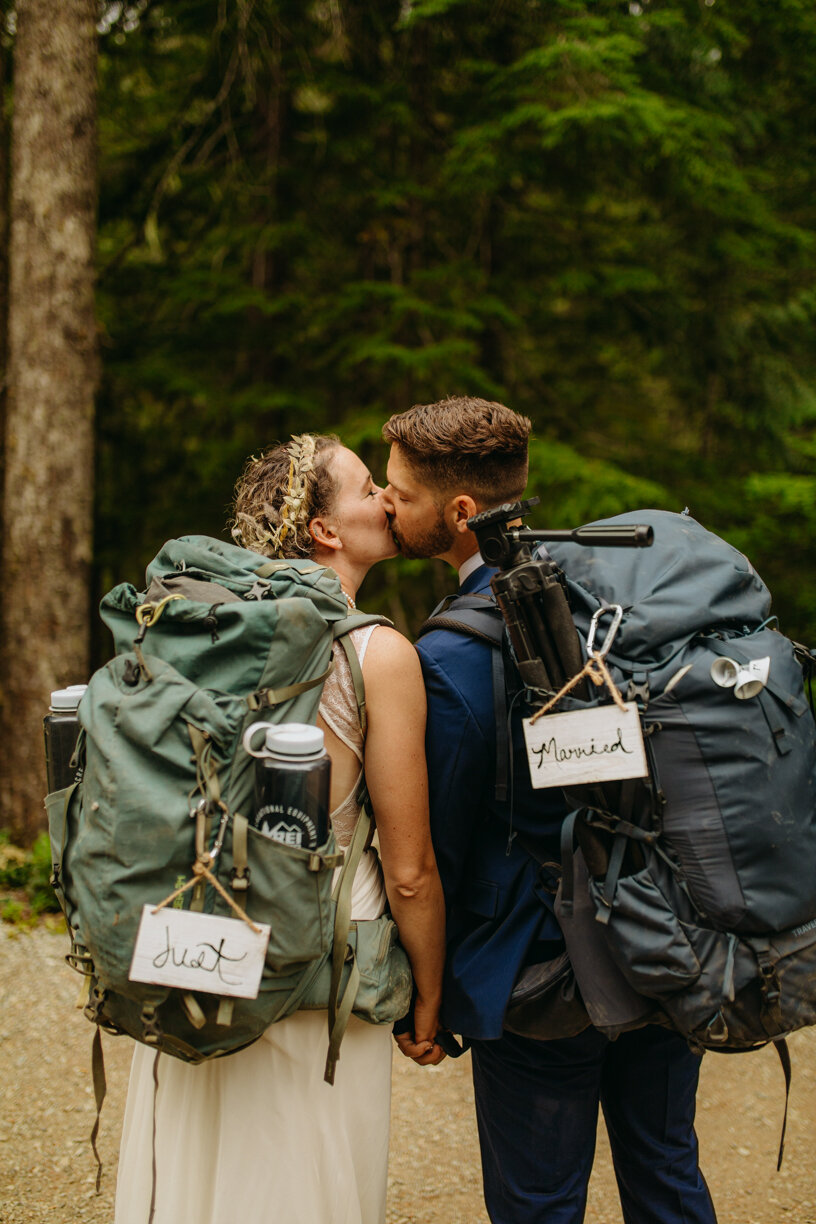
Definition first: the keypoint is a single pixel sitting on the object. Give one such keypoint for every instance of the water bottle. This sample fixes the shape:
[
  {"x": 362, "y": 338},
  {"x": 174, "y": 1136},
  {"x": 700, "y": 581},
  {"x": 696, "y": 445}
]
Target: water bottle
[
  {"x": 61, "y": 728},
  {"x": 292, "y": 775}
]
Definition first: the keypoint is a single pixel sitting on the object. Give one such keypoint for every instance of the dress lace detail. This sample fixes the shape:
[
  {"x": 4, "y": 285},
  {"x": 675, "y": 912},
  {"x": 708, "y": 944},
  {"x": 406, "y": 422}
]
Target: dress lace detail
[{"x": 338, "y": 709}]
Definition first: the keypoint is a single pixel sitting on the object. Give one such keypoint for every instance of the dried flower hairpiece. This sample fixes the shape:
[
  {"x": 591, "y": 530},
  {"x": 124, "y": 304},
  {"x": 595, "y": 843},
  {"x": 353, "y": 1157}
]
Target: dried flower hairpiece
[{"x": 290, "y": 519}]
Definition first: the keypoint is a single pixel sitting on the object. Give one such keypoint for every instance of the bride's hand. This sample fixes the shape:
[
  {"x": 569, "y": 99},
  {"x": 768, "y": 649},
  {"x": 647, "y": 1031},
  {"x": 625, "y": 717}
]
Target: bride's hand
[{"x": 421, "y": 1045}]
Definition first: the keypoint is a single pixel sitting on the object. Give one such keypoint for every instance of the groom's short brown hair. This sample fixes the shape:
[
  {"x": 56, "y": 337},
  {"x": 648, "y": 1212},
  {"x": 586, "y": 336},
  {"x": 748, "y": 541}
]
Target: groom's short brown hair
[{"x": 462, "y": 444}]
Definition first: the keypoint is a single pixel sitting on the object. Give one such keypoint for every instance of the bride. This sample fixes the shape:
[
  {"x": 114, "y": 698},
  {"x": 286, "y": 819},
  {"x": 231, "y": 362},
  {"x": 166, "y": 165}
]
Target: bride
[{"x": 258, "y": 1135}]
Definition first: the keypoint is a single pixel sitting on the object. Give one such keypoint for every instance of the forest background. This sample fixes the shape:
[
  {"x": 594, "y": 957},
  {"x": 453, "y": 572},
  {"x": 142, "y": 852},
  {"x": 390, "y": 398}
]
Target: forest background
[{"x": 307, "y": 216}]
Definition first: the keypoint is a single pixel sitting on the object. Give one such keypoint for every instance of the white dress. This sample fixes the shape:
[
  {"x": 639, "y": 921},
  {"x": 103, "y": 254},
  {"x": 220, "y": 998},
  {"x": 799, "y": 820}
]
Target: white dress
[{"x": 258, "y": 1136}]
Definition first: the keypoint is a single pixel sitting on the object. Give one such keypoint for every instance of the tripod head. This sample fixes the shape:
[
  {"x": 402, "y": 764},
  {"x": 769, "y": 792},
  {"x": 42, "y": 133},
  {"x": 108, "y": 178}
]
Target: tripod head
[
  {"x": 503, "y": 542},
  {"x": 531, "y": 592}
]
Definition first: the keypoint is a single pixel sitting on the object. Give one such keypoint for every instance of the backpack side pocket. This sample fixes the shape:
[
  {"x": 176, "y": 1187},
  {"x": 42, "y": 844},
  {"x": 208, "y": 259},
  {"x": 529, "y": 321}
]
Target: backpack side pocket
[{"x": 645, "y": 936}]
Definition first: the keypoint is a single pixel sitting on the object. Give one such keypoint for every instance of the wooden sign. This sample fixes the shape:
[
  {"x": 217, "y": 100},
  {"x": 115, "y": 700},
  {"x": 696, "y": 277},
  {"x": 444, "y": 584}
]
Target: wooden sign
[
  {"x": 599, "y": 745},
  {"x": 200, "y": 952}
]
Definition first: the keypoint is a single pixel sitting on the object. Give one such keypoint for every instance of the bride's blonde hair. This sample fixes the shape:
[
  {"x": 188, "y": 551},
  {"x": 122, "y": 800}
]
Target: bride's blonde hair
[{"x": 279, "y": 492}]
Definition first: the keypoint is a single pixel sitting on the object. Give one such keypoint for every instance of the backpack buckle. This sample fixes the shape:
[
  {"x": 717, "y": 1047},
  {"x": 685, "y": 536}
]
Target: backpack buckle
[
  {"x": 239, "y": 879},
  {"x": 549, "y": 877},
  {"x": 716, "y": 1032},
  {"x": 639, "y": 691},
  {"x": 79, "y": 958},
  {"x": 132, "y": 673},
  {"x": 769, "y": 983},
  {"x": 93, "y": 1007},
  {"x": 259, "y": 589},
  {"x": 151, "y": 1029}
]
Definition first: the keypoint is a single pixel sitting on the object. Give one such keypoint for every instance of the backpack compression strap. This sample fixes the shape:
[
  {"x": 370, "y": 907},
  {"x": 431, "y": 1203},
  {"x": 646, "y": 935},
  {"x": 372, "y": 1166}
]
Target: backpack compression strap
[
  {"x": 477, "y": 616},
  {"x": 341, "y": 1005}
]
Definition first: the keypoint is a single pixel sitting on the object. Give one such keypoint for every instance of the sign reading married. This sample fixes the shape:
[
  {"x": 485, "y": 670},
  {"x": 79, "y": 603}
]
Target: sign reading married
[
  {"x": 201, "y": 952},
  {"x": 598, "y": 745}
]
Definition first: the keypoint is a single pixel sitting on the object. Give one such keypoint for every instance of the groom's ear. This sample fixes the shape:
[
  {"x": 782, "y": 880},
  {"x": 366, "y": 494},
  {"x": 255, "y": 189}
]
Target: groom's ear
[
  {"x": 324, "y": 534},
  {"x": 459, "y": 509}
]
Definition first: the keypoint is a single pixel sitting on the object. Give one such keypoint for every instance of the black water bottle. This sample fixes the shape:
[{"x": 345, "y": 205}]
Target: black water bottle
[
  {"x": 292, "y": 777},
  {"x": 61, "y": 728}
]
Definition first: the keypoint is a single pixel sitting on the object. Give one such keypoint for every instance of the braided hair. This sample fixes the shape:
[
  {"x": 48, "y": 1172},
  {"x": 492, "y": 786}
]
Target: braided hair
[{"x": 279, "y": 492}]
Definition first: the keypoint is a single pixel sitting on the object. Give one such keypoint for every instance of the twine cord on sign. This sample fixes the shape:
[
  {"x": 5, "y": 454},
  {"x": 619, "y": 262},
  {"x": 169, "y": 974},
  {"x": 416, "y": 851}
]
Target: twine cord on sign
[
  {"x": 594, "y": 669},
  {"x": 201, "y": 869}
]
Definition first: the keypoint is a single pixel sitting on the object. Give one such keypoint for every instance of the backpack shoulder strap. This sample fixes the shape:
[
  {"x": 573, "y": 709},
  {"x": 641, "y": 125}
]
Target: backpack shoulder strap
[
  {"x": 342, "y": 631},
  {"x": 478, "y": 616},
  {"x": 341, "y": 1003},
  {"x": 340, "y": 1006},
  {"x": 474, "y": 615}
]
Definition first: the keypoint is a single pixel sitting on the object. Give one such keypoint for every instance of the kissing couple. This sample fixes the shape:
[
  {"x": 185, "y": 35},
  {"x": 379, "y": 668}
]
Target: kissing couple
[{"x": 259, "y": 1136}]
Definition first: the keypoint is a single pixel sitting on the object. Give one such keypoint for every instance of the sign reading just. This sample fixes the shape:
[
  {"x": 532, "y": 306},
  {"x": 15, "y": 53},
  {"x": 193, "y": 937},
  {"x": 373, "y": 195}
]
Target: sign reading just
[
  {"x": 194, "y": 951},
  {"x": 599, "y": 745}
]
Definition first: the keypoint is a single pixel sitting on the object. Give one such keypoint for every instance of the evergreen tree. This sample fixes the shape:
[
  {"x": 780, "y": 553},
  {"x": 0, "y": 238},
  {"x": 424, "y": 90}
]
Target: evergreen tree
[{"x": 313, "y": 216}]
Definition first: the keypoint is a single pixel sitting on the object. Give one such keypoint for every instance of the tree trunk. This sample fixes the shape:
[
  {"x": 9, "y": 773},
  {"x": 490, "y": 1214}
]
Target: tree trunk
[
  {"x": 4, "y": 181},
  {"x": 52, "y": 376}
]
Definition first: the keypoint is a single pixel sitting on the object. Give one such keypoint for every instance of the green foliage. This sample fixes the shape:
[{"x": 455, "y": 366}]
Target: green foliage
[
  {"x": 12, "y": 912},
  {"x": 25, "y": 888},
  {"x": 312, "y": 216},
  {"x": 14, "y": 866},
  {"x": 41, "y": 894}
]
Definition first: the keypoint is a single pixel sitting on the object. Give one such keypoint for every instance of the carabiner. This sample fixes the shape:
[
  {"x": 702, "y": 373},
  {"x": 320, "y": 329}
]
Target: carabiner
[
  {"x": 219, "y": 837},
  {"x": 616, "y": 611},
  {"x": 148, "y": 613}
]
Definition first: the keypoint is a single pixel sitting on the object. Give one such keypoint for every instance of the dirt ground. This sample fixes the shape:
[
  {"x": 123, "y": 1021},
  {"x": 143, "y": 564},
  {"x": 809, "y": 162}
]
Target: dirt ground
[{"x": 47, "y": 1170}]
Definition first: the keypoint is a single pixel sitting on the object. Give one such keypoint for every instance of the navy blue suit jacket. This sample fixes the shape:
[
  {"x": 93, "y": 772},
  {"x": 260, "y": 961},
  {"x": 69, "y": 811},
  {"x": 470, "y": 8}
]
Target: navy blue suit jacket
[{"x": 499, "y": 914}]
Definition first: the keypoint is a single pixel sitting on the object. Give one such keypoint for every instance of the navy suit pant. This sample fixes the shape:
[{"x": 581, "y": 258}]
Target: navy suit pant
[{"x": 537, "y": 1110}]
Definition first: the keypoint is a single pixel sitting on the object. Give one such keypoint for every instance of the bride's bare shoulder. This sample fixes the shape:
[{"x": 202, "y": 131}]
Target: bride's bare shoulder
[{"x": 389, "y": 649}]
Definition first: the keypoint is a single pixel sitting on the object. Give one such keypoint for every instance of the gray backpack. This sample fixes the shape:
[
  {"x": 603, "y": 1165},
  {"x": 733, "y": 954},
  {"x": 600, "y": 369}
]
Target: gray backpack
[
  {"x": 700, "y": 884},
  {"x": 689, "y": 898}
]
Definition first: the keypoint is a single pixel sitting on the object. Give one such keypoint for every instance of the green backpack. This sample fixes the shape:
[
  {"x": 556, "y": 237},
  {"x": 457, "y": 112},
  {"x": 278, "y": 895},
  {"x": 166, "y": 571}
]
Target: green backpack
[{"x": 223, "y": 638}]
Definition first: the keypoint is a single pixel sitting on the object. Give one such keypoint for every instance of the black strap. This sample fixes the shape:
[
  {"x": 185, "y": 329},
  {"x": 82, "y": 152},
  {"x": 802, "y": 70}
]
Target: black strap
[
  {"x": 502, "y": 728},
  {"x": 781, "y": 1047},
  {"x": 152, "y": 1213},
  {"x": 450, "y": 1045},
  {"x": 620, "y": 843},
  {"x": 459, "y": 601},
  {"x": 100, "y": 1087},
  {"x": 477, "y": 616},
  {"x": 567, "y": 852},
  {"x": 484, "y": 623}
]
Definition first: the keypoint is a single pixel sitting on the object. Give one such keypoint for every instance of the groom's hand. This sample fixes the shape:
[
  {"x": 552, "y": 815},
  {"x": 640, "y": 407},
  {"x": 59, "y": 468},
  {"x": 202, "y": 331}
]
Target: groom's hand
[{"x": 426, "y": 1053}]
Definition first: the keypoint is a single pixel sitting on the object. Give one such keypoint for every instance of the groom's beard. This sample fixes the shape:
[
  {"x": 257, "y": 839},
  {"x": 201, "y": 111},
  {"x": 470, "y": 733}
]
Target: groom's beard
[{"x": 430, "y": 542}]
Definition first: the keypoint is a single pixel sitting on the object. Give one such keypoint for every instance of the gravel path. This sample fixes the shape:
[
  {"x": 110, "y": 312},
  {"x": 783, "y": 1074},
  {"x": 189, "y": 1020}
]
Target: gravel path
[{"x": 47, "y": 1171}]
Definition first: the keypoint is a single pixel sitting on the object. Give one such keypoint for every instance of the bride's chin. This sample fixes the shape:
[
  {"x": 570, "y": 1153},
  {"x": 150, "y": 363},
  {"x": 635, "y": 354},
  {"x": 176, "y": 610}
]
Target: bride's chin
[{"x": 389, "y": 549}]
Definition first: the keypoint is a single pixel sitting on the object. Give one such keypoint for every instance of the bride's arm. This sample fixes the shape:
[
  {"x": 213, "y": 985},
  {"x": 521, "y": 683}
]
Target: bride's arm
[{"x": 397, "y": 780}]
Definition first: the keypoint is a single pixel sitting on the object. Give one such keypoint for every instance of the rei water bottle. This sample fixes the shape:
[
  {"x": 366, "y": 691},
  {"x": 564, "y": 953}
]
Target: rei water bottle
[
  {"x": 61, "y": 728},
  {"x": 292, "y": 776}
]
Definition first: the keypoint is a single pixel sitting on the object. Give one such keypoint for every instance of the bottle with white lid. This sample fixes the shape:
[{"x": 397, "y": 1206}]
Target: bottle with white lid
[
  {"x": 61, "y": 728},
  {"x": 292, "y": 777}
]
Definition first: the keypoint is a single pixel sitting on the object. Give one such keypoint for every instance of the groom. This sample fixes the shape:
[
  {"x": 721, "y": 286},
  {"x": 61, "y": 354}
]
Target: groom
[{"x": 536, "y": 1101}]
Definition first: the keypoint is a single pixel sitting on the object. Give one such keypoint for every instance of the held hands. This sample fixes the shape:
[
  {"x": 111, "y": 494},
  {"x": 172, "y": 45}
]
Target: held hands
[{"x": 421, "y": 1044}]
